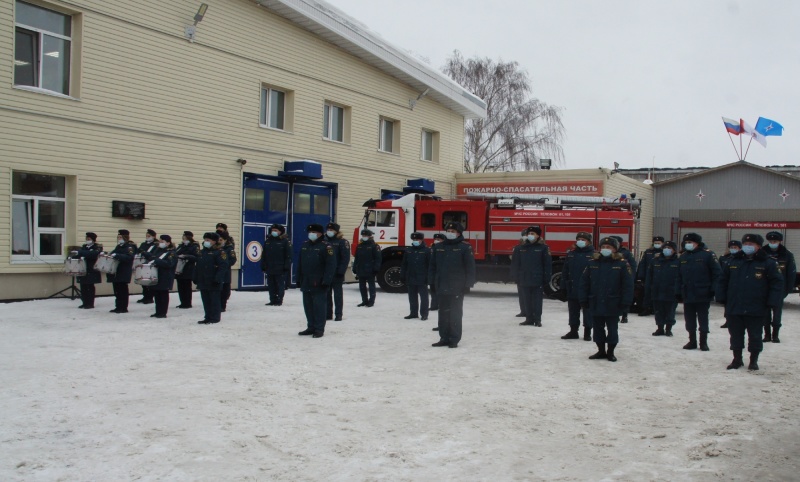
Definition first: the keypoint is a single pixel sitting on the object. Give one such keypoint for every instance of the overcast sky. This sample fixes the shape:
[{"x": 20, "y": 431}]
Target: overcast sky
[{"x": 637, "y": 79}]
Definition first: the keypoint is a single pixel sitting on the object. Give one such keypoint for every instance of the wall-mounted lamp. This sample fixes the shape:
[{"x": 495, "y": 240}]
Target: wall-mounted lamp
[
  {"x": 545, "y": 164},
  {"x": 413, "y": 102},
  {"x": 190, "y": 30},
  {"x": 241, "y": 161}
]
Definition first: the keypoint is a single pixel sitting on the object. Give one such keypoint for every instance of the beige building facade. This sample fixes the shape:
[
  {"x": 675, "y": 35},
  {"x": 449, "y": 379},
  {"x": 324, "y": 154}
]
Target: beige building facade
[{"x": 183, "y": 112}]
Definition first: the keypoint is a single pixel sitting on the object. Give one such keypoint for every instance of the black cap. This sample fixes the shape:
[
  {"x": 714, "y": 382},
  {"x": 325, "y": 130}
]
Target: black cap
[
  {"x": 611, "y": 241},
  {"x": 366, "y": 232},
  {"x": 774, "y": 236},
  {"x": 534, "y": 229},
  {"x": 212, "y": 236},
  {"x": 455, "y": 226},
  {"x": 658, "y": 238},
  {"x": 188, "y": 234},
  {"x": 671, "y": 244},
  {"x": 222, "y": 225},
  {"x": 439, "y": 236},
  {"x": 317, "y": 228},
  {"x": 334, "y": 227},
  {"x": 151, "y": 232},
  {"x": 417, "y": 236},
  {"x": 693, "y": 237},
  {"x": 753, "y": 238},
  {"x": 124, "y": 232},
  {"x": 166, "y": 237},
  {"x": 279, "y": 227},
  {"x": 584, "y": 235},
  {"x": 734, "y": 242},
  {"x": 91, "y": 236}
]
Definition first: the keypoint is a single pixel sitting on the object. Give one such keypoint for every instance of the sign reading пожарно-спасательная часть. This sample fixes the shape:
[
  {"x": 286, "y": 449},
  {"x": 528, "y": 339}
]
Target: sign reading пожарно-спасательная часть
[{"x": 571, "y": 188}]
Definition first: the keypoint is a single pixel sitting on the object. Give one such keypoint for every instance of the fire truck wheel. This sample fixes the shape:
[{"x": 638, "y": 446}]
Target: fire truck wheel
[
  {"x": 553, "y": 288},
  {"x": 389, "y": 277}
]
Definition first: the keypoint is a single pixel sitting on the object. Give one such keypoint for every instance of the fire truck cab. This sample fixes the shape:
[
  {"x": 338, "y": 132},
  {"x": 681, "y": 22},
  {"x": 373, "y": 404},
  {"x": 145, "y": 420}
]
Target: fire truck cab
[{"x": 493, "y": 226}]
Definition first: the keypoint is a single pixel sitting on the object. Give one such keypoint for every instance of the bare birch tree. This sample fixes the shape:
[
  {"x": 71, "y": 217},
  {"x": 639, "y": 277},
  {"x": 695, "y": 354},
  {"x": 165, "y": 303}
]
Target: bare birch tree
[{"x": 518, "y": 129}]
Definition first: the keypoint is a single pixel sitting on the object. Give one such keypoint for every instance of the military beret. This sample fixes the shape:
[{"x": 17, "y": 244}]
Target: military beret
[
  {"x": 334, "y": 227},
  {"x": 584, "y": 235},
  {"x": 212, "y": 236},
  {"x": 124, "y": 232},
  {"x": 774, "y": 236},
  {"x": 417, "y": 236},
  {"x": 734, "y": 242},
  {"x": 439, "y": 236},
  {"x": 753, "y": 238},
  {"x": 279, "y": 227},
  {"x": 455, "y": 226},
  {"x": 188, "y": 234},
  {"x": 166, "y": 237},
  {"x": 366, "y": 232},
  {"x": 222, "y": 225},
  {"x": 611, "y": 241},
  {"x": 658, "y": 238},
  {"x": 534, "y": 229},
  {"x": 91, "y": 236},
  {"x": 317, "y": 228},
  {"x": 693, "y": 237},
  {"x": 151, "y": 232},
  {"x": 671, "y": 244}
]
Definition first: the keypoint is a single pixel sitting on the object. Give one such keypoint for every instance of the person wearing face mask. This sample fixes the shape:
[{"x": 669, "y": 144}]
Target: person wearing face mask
[
  {"x": 434, "y": 303},
  {"x": 452, "y": 273},
  {"x": 187, "y": 251},
  {"x": 531, "y": 268},
  {"x": 414, "y": 273},
  {"x": 646, "y": 307},
  {"x": 785, "y": 259},
  {"x": 316, "y": 268},
  {"x": 341, "y": 247},
  {"x": 209, "y": 274},
  {"x": 575, "y": 263},
  {"x": 148, "y": 246},
  {"x": 229, "y": 256},
  {"x": 89, "y": 252},
  {"x": 659, "y": 287},
  {"x": 607, "y": 290},
  {"x": 631, "y": 261},
  {"x": 163, "y": 258},
  {"x": 123, "y": 252},
  {"x": 366, "y": 264},
  {"x": 749, "y": 286},
  {"x": 697, "y": 279},
  {"x": 276, "y": 262},
  {"x": 734, "y": 246}
]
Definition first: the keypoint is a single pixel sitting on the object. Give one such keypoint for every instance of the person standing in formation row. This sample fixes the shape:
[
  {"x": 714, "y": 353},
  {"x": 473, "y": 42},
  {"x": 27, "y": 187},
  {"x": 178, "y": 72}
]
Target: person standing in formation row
[
  {"x": 276, "y": 262},
  {"x": 89, "y": 252},
  {"x": 574, "y": 265},
  {"x": 659, "y": 290},
  {"x": 531, "y": 269},
  {"x": 123, "y": 252},
  {"x": 641, "y": 272},
  {"x": 148, "y": 246},
  {"x": 341, "y": 250},
  {"x": 187, "y": 252},
  {"x": 209, "y": 274},
  {"x": 697, "y": 279},
  {"x": 315, "y": 271},
  {"x": 414, "y": 273},
  {"x": 786, "y": 265},
  {"x": 163, "y": 258},
  {"x": 366, "y": 265}
]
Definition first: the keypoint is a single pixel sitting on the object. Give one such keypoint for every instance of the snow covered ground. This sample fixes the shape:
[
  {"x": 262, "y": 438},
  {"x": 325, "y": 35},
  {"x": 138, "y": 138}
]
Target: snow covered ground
[{"x": 89, "y": 395}]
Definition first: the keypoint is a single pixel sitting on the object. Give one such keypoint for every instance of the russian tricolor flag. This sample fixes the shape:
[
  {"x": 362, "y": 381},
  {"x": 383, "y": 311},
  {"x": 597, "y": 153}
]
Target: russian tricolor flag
[{"x": 732, "y": 126}]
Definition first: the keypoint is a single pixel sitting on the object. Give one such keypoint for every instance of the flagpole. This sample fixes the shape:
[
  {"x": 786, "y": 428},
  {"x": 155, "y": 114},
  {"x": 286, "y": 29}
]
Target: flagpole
[
  {"x": 738, "y": 156},
  {"x": 741, "y": 158},
  {"x": 748, "y": 147}
]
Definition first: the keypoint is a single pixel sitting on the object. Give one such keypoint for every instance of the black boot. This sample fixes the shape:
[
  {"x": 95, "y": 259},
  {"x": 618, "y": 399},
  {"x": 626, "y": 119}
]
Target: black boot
[
  {"x": 572, "y": 335},
  {"x": 737, "y": 360},
  {"x": 668, "y": 331},
  {"x": 518, "y": 315},
  {"x": 528, "y": 323},
  {"x": 601, "y": 352},
  {"x": 753, "y": 361},
  {"x": 659, "y": 331},
  {"x": 692, "y": 345},
  {"x": 537, "y": 323},
  {"x": 624, "y": 318},
  {"x": 306, "y": 332},
  {"x": 767, "y": 334},
  {"x": 724, "y": 325},
  {"x": 587, "y": 333},
  {"x": 703, "y": 341},
  {"x": 775, "y": 332},
  {"x": 610, "y": 352}
]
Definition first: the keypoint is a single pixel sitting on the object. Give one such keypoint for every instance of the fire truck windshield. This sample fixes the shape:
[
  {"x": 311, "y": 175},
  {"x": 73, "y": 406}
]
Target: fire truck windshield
[{"x": 380, "y": 219}]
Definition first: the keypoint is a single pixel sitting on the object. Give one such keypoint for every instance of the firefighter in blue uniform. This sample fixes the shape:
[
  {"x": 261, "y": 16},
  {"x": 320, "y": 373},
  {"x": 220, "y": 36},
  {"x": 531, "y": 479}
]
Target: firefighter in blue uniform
[
  {"x": 734, "y": 246},
  {"x": 659, "y": 287},
  {"x": 89, "y": 251},
  {"x": 341, "y": 248},
  {"x": 452, "y": 273},
  {"x": 276, "y": 262},
  {"x": 123, "y": 252},
  {"x": 438, "y": 238},
  {"x": 187, "y": 251},
  {"x": 750, "y": 285},
  {"x": 632, "y": 262},
  {"x": 646, "y": 306},
  {"x": 148, "y": 246},
  {"x": 698, "y": 277},
  {"x": 531, "y": 268},
  {"x": 315, "y": 271},
  {"x": 414, "y": 273},
  {"x": 574, "y": 264},
  {"x": 229, "y": 249},
  {"x": 607, "y": 290},
  {"x": 164, "y": 259},
  {"x": 366, "y": 264},
  {"x": 209, "y": 274},
  {"x": 785, "y": 259}
]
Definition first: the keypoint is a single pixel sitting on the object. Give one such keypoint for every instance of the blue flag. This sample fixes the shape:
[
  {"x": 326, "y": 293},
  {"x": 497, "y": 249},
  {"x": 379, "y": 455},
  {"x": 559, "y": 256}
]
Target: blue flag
[{"x": 767, "y": 127}]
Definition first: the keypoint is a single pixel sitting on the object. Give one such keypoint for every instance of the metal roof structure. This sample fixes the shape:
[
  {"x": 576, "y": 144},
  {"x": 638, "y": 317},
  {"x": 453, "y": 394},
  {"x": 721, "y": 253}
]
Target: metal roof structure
[
  {"x": 721, "y": 168},
  {"x": 347, "y": 33}
]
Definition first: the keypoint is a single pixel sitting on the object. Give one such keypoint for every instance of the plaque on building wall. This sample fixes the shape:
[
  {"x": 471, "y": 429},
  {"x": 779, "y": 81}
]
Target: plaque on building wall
[{"x": 127, "y": 209}]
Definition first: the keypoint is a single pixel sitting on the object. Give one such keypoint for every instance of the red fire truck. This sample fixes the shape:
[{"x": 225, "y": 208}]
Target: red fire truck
[{"x": 493, "y": 226}]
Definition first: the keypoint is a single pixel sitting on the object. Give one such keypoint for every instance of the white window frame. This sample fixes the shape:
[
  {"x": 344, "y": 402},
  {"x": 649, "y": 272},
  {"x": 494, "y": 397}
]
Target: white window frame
[
  {"x": 327, "y": 129},
  {"x": 382, "y": 141},
  {"x": 426, "y": 143},
  {"x": 40, "y": 53},
  {"x": 35, "y": 231},
  {"x": 265, "y": 116}
]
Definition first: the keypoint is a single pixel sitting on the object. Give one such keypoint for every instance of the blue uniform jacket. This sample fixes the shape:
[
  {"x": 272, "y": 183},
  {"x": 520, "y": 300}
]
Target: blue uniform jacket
[
  {"x": 124, "y": 254},
  {"x": 316, "y": 265},
  {"x": 90, "y": 253},
  {"x": 189, "y": 253},
  {"x": 415, "y": 264},
  {"x": 531, "y": 264},
  {"x": 644, "y": 263},
  {"x": 147, "y": 247},
  {"x": 607, "y": 285},
  {"x": 209, "y": 272},
  {"x": 786, "y": 265},
  {"x": 629, "y": 258},
  {"x": 367, "y": 261},
  {"x": 661, "y": 283},
  {"x": 748, "y": 286},
  {"x": 699, "y": 274},
  {"x": 452, "y": 267},
  {"x": 229, "y": 255},
  {"x": 276, "y": 257},
  {"x": 341, "y": 250},
  {"x": 574, "y": 264}
]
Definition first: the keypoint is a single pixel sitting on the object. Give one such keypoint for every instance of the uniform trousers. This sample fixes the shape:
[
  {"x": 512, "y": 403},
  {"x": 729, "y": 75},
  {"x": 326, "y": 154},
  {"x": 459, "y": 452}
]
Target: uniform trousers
[
  {"x": 211, "y": 304},
  {"x": 773, "y": 317},
  {"x": 574, "y": 307},
  {"x": 451, "y": 313},
  {"x": 121, "y": 295},
  {"x": 532, "y": 299},
  {"x": 694, "y": 313},
  {"x": 314, "y": 304},
  {"x": 521, "y": 297},
  {"x": 600, "y": 325},
  {"x": 665, "y": 312},
  {"x": 418, "y": 300},
  {"x": 335, "y": 298},
  {"x": 434, "y": 305},
  {"x": 367, "y": 286},
  {"x": 161, "y": 297},
  {"x": 276, "y": 285},
  {"x": 87, "y": 295},
  {"x": 224, "y": 295},
  {"x": 185, "y": 292},
  {"x": 147, "y": 294},
  {"x": 738, "y": 324}
]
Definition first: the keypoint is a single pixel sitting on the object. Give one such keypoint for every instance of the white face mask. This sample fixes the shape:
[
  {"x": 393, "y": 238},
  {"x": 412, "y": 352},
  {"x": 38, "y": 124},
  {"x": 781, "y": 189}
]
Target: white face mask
[
  {"x": 207, "y": 244},
  {"x": 734, "y": 250},
  {"x": 149, "y": 239},
  {"x": 364, "y": 238},
  {"x": 688, "y": 246},
  {"x": 331, "y": 234},
  {"x": 162, "y": 245},
  {"x": 415, "y": 243},
  {"x": 89, "y": 242},
  {"x": 606, "y": 252},
  {"x": 450, "y": 235},
  {"x": 580, "y": 244},
  {"x": 120, "y": 242},
  {"x": 774, "y": 245},
  {"x": 186, "y": 242},
  {"x": 312, "y": 236},
  {"x": 275, "y": 234},
  {"x": 667, "y": 252},
  {"x": 657, "y": 245},
  {"x": 531, "y": 237}
]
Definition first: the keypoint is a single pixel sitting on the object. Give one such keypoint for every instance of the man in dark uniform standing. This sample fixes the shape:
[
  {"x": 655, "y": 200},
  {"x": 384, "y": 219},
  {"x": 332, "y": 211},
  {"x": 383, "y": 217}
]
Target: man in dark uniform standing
[
  {"x": 452, "y": 273},
  {"x": 659, "y": 289},
  {"x": 89, "y": 252},
  {"x": 785, "y": 259},
  {"x": 607, "y": 290},
  {"x": 366, "y": 265},
  {"x": 734, "y": 246},
  {"x": 646, "y": 305},
  {"x": 276, "y": 262},
  {"x": 148, "y": 246},
  {"x": 574, "y": 264},
  {"x": 697, "y": 280},
  {"x": 124, "y": 252},
  {"x": 531, "y": 268},
  {"x": 209, "y": 274},
  {"x": 229, "y": 250},
  {"x": 341, "y": 248},
  {"x": 438, "y": 238},
  {"x": 632, "y": 262},
  {"x": 750, "y": 285},
  {"x": 414, "y": 273},
  {"x": 315, "y": 271}
]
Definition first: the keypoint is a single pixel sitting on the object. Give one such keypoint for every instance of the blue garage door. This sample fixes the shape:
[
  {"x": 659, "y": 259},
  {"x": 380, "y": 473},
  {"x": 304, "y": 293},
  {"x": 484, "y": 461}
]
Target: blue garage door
[
  {"x": 266, "y": 202},
  {"x": 310, "y": 205}
]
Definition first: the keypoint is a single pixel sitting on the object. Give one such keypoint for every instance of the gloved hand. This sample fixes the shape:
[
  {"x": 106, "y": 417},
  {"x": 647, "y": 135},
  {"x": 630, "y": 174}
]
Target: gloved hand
[
  {"x": 113, "y": 255},
  {"x": 432, "y": 289}
]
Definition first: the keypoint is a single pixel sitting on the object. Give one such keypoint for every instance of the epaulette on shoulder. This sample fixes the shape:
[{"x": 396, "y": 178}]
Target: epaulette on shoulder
[{"x": 596, "y": 256}]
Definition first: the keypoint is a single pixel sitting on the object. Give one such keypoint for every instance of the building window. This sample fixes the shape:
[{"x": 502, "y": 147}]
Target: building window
[
  {"x": 43, "y": 46},
  {"x": 430, "y": 146},
  {"x": 428, "y": 220},
  {"x": 454, "y": 217},
  {"x": 38, "y": 217},
  {"x": 336, "y": 123},
  {"x": 389, "y": 135},
  {"x": 277, "y": 108}
]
